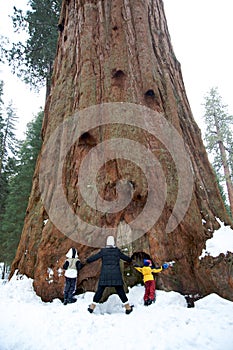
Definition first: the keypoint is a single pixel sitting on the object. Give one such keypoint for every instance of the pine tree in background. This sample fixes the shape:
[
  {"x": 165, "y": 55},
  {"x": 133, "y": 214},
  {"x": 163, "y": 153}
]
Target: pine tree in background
[
  {"x": 8, "y": 147},
  {"x": 33, "y": 59},
  {"x": 2, "y": 124},
  {"x": 223, "y": 194},
  {"x": 8, "y": 142},
  {"x": 1, "y": 94},
  {"x": 3, "y": 180},
  {"x": 19, "y": 190},
  {"x": 219, "y": 140},
  {"x": 231, "y": 161}
]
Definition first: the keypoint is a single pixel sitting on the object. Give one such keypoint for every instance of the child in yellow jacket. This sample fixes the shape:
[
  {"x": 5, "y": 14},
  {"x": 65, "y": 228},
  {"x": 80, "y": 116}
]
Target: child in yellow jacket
[{"x": 148, "y": 280}]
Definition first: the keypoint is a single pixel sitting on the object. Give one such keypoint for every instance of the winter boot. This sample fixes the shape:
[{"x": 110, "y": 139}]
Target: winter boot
[
  {"x": 128, "y": 308},
  {"x": 72, "y": 300},
  {"x": 91, "y": 308},
  {"x": 65, "y": 302},
  {"x": 146, "y": 302}
]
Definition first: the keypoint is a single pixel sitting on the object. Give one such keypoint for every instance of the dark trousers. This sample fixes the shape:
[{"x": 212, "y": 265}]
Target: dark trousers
[
  {"x": 70, "y": 286},
  {"x": 149, "y": 290},
  {"x": 119, "y": 289}
]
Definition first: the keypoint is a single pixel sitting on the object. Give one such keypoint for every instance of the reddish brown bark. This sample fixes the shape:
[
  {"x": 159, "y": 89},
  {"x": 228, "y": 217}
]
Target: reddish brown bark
[{"x": 120, "y": 51}]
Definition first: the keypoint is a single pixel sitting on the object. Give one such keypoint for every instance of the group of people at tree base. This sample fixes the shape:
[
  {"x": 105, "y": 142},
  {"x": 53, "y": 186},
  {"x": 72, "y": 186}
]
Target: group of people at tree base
[{"x": 110, "y": 275}]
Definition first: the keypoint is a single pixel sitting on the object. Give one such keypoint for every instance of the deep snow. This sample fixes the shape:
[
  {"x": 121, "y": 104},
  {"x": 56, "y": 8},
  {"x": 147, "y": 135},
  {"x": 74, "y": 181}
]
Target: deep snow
[
  {"x": 27, "y": 323},
  {"x": 221, "y": 242}
]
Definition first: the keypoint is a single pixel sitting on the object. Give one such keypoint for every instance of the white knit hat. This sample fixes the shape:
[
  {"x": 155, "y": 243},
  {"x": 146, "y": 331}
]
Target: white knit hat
[
  {"x": 110, "y": 241},
  {"x": 72, "y": 253}
]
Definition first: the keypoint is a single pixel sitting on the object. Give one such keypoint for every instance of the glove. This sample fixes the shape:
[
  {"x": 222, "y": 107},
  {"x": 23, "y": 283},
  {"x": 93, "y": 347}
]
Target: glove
[
  {"x": 165, "y": 266},
  {"x": 136, "y": 265}
]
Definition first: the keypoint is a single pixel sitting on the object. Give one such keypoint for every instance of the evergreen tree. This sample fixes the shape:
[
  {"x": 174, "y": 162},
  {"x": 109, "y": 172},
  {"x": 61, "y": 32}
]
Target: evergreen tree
[
  {"x": 8, "y": 148},
  {"x": 231, "y": 160},
  {"x": 33, "y": 59},
  {"x": 219, "y": 139},
  {"x": 1, "y": 94},
  {"x": 1, "y": 125},
  {"x": 8, "y": 142},
  {"x": 223, "y": 194},
  {"x": 19, "y": 190},
  {"x": 9, "y": 170}
]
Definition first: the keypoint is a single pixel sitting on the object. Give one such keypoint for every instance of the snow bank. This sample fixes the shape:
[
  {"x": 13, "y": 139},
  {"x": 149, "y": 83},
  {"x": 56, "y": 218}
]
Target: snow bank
[
  {"x": 221, "y": 242},
  {"x": 26, "y": 323}
]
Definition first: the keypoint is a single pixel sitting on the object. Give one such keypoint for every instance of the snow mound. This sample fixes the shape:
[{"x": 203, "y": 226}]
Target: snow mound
[
  {"x": 27, "y": 323},
  {"x": 221, "y": 242}
]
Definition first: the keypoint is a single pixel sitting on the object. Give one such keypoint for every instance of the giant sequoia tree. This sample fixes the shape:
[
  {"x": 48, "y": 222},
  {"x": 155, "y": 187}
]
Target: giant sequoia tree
[{"x": 121, "y": 154}]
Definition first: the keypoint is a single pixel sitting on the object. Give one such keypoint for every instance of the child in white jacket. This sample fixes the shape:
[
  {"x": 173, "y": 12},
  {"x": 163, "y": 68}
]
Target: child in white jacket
[{"x": 71, "y": 266}]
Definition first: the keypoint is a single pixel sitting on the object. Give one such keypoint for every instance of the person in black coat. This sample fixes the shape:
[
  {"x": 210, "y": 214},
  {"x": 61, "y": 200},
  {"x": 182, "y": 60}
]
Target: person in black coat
[{"x": 110, "y": 275}]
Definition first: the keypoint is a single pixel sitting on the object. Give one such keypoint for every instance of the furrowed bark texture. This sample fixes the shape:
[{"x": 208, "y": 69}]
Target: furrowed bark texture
[{"x": 120, "y": 51}]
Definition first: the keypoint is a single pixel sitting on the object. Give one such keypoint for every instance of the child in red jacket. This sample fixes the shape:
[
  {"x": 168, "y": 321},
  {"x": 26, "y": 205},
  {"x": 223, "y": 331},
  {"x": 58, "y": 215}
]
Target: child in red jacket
[{"x": 148, "y": 279}]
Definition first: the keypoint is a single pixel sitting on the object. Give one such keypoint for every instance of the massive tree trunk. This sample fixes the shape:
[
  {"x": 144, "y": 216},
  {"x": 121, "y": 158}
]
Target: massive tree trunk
[{"x": 116, "y": 55}]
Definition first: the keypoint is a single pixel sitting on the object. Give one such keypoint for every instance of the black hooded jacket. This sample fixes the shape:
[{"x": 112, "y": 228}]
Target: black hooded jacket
[{"x": 110, "y": 272}]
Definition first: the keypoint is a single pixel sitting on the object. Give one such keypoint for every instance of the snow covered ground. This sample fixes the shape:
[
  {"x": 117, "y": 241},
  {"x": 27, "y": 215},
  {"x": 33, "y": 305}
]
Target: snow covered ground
[
  {"x": 27, "y": 323},
  {"x": 221, "y": 242}
]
